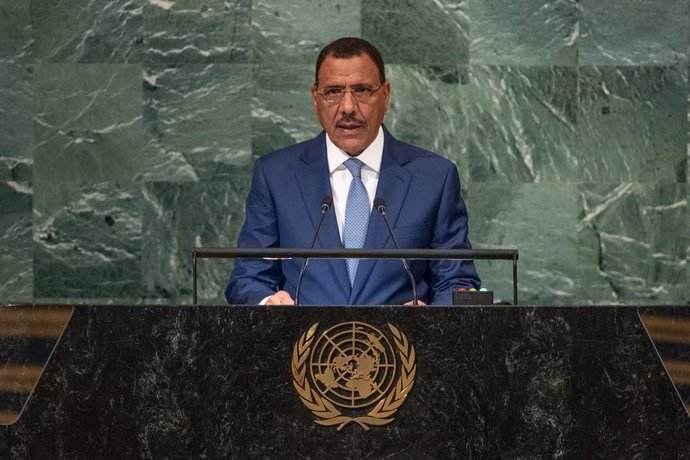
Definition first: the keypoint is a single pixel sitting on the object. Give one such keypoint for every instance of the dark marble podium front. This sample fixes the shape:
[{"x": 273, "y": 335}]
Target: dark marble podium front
[{"x": 216, "y": 382}]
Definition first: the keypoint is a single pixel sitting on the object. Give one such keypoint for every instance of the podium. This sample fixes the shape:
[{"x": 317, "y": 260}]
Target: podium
[{"x": 224, "y": 382}]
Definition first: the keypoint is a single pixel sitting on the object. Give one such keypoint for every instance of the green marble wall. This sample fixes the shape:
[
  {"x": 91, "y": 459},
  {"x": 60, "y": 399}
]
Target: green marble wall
[{"x": 128, "y": 129}]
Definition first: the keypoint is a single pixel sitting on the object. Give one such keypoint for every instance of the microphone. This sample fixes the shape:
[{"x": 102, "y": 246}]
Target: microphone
[
  {"x": 380, "y": 206},
  {"x": 326, "y": 204}
]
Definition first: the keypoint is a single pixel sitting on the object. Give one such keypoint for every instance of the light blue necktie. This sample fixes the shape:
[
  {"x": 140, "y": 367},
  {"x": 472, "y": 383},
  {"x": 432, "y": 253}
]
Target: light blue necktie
[{"x": 356, "y": 215}]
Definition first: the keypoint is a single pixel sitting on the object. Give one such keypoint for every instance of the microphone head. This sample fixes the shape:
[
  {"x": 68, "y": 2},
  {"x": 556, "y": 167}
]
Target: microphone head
[
  {"x": 326, "y": 203},
  {"x": 379, "y": 204}
]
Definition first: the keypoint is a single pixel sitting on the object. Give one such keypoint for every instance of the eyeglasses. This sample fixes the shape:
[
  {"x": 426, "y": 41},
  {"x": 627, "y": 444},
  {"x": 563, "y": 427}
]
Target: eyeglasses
[{"x": 335, "y": 94}]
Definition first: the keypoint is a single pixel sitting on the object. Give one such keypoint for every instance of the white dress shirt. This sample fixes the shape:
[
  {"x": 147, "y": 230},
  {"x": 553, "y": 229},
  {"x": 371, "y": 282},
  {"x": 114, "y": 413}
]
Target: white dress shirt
[{"x": 341, "y": 178}]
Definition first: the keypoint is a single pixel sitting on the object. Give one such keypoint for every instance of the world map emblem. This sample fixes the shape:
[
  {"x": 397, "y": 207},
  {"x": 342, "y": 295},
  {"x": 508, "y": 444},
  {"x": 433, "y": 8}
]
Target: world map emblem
[{"x": 353, "y": 373}]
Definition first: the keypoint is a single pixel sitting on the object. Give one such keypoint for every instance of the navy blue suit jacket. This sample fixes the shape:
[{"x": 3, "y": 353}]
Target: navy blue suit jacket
[{"x": 423, "y": 203}]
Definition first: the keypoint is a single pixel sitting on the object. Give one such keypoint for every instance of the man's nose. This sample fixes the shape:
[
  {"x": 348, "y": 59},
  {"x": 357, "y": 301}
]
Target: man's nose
[{"x": 348, "y": 104}]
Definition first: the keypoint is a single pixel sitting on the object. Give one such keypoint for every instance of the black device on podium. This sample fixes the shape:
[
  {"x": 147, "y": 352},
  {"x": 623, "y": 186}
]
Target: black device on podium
[{"x": 473, "y": 297}]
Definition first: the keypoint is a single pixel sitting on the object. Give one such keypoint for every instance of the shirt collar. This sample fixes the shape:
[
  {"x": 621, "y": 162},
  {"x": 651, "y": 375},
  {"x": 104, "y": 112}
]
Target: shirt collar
[{"x": 371, "y": 156}]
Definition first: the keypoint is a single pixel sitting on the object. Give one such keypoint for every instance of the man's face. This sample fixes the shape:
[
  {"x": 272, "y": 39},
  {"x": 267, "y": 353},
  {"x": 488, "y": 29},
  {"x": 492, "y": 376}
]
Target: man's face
[{"x": 351, "y": 124}]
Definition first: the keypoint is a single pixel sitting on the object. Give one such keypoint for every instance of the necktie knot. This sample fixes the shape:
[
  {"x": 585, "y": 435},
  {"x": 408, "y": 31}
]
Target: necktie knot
[{"x": 354, "y": 166}]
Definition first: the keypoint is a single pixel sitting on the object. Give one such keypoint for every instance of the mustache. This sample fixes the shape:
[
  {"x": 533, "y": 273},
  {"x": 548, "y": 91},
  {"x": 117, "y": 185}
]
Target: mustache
[{"x": 347, "y": 119}]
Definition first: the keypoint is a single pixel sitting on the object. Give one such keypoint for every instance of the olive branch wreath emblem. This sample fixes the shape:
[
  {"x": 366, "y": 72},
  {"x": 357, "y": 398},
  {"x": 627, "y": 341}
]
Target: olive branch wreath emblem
[{"x": 327, "y": 413}]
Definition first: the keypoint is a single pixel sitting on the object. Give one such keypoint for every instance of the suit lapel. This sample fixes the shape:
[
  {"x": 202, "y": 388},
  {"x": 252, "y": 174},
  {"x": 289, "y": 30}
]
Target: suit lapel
[
  {"x": 394, "y": 183},
  {"x": 314, "y": 184}
]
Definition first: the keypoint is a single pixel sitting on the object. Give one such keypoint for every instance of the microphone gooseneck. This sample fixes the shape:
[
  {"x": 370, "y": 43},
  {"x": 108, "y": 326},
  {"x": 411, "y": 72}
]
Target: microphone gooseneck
[
  {"x": 326, "y": 204},
  {"x": 380, "y": 206}
]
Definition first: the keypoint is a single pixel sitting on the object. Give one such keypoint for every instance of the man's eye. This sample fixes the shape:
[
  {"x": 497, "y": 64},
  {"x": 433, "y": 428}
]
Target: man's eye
[
  {"x": 333, "y": 91},
  {"x": 361, "y": 90}
]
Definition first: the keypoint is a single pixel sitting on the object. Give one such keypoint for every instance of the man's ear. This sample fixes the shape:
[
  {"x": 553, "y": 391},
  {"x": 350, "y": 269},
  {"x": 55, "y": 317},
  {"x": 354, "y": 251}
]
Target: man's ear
[
  {"x": 314, "y": 95},
  {"x": 387, "y": 91}
]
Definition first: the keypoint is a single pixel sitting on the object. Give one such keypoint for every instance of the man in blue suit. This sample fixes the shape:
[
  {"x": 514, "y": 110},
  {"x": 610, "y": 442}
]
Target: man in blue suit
[{"x": 354, "y": 160}]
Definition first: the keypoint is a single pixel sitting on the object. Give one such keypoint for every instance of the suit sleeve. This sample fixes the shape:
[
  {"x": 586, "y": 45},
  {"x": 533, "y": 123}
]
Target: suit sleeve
[
  {"x": 451, "y": 232},
  {"x": 254, "y": 279}
]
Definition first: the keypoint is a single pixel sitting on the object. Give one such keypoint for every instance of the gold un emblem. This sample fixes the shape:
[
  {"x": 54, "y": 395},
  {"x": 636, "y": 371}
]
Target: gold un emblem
[{"x": 349, "y": 368}]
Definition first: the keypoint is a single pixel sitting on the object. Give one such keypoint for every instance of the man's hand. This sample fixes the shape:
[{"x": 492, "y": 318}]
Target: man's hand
[
  {"x": 419, "y": 303},
  {"x": 280, "y": 298}
]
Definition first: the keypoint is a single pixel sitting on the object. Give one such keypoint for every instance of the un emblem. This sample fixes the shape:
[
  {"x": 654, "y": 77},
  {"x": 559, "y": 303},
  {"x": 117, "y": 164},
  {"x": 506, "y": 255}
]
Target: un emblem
[{"x": 349, "y": 368}]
